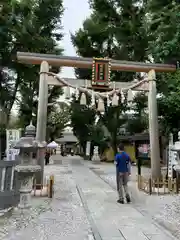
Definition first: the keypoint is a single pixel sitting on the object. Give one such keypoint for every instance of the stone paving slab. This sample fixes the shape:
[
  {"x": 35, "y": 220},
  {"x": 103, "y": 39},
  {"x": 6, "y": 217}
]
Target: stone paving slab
[{"x": 114, "y": 221}]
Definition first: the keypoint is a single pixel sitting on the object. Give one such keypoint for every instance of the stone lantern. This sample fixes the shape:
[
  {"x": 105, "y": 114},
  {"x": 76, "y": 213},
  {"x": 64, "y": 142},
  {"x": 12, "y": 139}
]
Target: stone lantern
[{"x": 28, "y": 166}]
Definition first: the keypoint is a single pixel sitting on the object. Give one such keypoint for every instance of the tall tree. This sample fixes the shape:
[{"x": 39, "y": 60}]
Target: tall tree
[
  {"x": 82, "y": 121},
  {"x": 8, "y": 80},
  {"x": 33, "y": 26},
  {"x": 164, "y": 29},
  {"x": 113, "y": 119},
  {"x": 115, "y": 30},
  {"x": 38, "y": 30},
  {"x": 138, "y": 121},
  {"x": 58, "y": 119}
]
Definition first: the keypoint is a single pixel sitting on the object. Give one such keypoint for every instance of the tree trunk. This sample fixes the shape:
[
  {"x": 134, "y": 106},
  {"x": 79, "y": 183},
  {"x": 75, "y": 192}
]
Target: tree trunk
[
  {"x": 13, "y": 98},
  {"x": 114, "y": 134}
]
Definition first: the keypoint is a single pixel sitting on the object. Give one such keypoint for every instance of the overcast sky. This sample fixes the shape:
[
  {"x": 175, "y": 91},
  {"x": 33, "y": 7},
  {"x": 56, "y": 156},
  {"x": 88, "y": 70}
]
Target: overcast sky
[{"x": 74, "y": 15}]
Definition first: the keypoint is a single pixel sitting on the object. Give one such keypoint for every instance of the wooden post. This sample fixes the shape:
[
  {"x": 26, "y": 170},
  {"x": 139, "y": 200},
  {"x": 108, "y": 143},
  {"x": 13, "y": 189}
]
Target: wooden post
[
  {"x": 139, "y": 182},
  {"x": 139, "y": 164},
  {"x": 51, "y": 184},
  {"x": 150, "y": 186},
  {"x": 177, "y": 182}
]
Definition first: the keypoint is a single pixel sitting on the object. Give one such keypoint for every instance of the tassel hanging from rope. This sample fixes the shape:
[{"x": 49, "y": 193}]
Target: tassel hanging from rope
[
  {"x": 122, "y": 97},
  {"x": 100, "y": 107},
  {"x": 67, "y": 92},
  {"x": 93, "y": 100},
  {"x": 83, "y": 99},
  {"x": 77, "y": 94},
  {"x": 108, "y": 100},
  {"x": 130, "y": 95},
  {"x": 115, "y": 100}
]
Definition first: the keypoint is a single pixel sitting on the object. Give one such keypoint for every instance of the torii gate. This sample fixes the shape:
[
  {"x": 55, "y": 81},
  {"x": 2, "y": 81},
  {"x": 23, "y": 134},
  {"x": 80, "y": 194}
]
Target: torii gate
[{"x": 46, "y": 60}]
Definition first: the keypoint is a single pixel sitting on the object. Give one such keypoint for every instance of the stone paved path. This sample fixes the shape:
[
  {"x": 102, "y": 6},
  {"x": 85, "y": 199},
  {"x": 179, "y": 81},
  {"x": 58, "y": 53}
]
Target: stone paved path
[
  {"x": 164, "y": 209},
  {"x": 84, "y": 204},
  {"x": 114, "y": 221}
]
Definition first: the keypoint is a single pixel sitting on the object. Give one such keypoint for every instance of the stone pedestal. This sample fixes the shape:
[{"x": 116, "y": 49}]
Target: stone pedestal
[{"x": 26, "y": 174}]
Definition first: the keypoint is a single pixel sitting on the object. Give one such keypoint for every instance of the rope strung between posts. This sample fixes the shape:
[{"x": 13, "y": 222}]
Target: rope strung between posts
[{"x": 97, "y": 94}]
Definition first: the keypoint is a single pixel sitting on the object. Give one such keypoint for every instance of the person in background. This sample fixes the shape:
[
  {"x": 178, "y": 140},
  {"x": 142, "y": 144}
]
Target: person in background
[
  {"x": 123, "y": 168},
  {"x": 47, "y": 157}
]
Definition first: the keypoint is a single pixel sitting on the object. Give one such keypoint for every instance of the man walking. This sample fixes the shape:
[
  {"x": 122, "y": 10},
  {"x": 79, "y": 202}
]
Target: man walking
[{"x": 123, "y": 167}]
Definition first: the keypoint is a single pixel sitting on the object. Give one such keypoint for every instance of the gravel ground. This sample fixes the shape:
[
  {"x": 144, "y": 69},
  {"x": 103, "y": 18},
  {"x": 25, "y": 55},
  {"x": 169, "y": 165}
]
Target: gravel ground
[{"x": 63, "y": 217}]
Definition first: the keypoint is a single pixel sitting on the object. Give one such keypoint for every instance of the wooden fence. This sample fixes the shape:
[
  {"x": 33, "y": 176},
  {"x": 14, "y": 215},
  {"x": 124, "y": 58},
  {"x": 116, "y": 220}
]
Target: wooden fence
[
  {"x": 9, "y": 184},
  {"x": 160, "y": 186}
]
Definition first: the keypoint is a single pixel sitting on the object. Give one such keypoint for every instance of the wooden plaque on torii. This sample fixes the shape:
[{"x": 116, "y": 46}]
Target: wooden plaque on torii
[{"x": 101, "y": 70}]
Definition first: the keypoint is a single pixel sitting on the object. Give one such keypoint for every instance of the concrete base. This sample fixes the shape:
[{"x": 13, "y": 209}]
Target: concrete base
[{"x": 25, "y": 200}]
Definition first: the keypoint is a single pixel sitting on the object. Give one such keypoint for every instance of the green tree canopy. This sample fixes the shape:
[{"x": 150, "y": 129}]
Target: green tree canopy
[
  {"x": 82, "y": 121},
  {"x": 58, "y": 119},
  {"x": 32, "y": 26},
  {"x": 115, "y": 30},
  {"x": 138, "y": 121},
  {"x": 164, "y": 34}
]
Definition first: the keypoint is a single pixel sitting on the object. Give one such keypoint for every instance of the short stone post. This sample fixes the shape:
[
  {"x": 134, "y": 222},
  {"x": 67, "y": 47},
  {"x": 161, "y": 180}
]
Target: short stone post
[{"x": 28, "y": 165}]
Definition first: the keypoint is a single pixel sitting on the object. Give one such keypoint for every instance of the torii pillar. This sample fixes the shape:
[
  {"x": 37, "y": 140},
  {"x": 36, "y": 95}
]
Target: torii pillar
[
  {"x": 42, "y": 116},
  {"x": 153, "y": 127}
]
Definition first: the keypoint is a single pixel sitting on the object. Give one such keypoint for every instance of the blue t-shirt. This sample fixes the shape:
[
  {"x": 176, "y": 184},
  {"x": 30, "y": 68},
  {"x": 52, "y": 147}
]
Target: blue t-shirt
[{"x": 123, "y": 162}]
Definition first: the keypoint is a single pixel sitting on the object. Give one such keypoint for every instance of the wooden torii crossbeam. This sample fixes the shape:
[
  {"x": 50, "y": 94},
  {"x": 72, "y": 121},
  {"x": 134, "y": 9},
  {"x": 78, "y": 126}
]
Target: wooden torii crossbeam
[{"x": 79, "y": 62}]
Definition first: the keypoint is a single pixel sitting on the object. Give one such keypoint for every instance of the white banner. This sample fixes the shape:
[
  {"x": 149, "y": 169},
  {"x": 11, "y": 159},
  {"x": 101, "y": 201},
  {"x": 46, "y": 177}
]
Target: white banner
[
  {"x": 12, "y": 136},
  {"x": 88, "y": 145}
]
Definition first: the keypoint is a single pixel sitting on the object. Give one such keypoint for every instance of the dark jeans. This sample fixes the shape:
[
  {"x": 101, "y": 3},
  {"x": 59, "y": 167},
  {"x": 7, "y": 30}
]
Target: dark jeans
[
  {"x": 117, "y": 179},
  {"x": 46, "y": 161},
  {"x": 123, "y": 185}
]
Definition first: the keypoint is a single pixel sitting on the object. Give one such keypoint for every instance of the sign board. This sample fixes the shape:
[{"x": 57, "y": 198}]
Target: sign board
[
  {"x": 144, "y": 151},
  {"x": 172, "y": 161},
  {"x": 101, "y": 70},
  {"x": 12, "y": 136},
  {"x": 88, "y": 145}
]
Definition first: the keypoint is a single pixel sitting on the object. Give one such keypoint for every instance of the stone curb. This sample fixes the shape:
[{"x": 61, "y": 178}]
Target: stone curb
[
  {"x": 96, "y": 234},
  {"x": 5, "y": 211}
]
